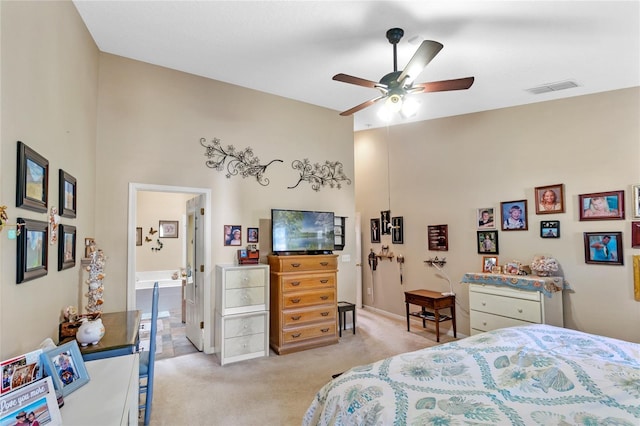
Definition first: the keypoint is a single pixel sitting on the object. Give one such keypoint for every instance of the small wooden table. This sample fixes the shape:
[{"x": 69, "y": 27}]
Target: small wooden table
[{"x": 434, "y": 301}]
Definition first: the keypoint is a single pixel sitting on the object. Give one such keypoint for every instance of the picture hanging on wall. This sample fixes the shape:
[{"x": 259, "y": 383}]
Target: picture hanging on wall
[
  {"x": 635, "y": 234},
  {"x": 514, "y": 215},
  {"x": 438, "y": 237},
  {"x": 168, "y": 229},
  {"x": 67, "y": 247},
  {"x": 252, "y": 235},
  {"x": 68, "y": 193},
  {"x": 397, "y": 230},
  {"x": 232, "y": 235},
  {"x": 550, "y": 228},
  {"x": 635, "y": 190},
  {"x": 32, "y": 183},
  {"x": 385, "y": 217},
  {"x": 488, "y": 242},
  {"x": 550, "y": 199},
  {"x": 604, "y": 248},
  {"x": 486, "y": 218},
  {"x": 33, "y": 249},
  {"x": 138, "y": 236},
  {"x": 601, "y": 205},
  {"x": 375, "y": 230}
]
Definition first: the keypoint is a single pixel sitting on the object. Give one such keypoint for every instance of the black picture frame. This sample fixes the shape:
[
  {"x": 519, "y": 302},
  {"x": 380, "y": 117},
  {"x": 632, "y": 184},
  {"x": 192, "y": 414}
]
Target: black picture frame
[
  {"x": 509, "y": 223},
  {"x": 32, "y": 181},
  {"x": 385, "y": 217},
  {"x": 594, "y": 244},
  {"x": 375, "y": 230},
  {"x": 397, "y": 230},
  {"x": 33, "y": 250},
  {"x": 253, "y": 235},
  {"x": 549, "y": 229},
  {"x": 487, "y": 247},
  {"x": 67, "y": 243},
  {"x": 67, "y": 191}
]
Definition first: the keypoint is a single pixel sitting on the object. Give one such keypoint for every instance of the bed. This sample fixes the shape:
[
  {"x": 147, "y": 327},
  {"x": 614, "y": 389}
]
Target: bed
[{"x": 526, "y": 375}]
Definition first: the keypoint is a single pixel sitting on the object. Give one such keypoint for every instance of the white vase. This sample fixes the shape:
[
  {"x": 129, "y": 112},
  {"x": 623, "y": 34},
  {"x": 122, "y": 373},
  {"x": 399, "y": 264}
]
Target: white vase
[{"x": 90, "y": 332}]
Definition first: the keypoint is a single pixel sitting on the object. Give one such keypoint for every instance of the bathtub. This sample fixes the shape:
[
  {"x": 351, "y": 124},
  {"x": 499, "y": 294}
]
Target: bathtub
[{"x": 146, "y": 279}]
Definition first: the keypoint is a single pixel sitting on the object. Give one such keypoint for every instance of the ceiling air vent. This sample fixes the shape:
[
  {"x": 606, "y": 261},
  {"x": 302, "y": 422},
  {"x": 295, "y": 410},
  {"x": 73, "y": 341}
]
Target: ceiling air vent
[{"x": 553, "y": 87}]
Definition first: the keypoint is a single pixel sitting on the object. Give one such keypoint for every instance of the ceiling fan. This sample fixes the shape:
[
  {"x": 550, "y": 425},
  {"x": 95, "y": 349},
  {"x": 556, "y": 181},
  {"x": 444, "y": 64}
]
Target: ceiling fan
[{"x": 397, "y": 84}]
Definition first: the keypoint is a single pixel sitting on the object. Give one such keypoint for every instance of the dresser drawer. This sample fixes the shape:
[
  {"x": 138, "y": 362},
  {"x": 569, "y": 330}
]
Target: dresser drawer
[
  {"x": 242, "y": 345},
  {"x": 295, "y": 317},
  {"x": 520, "y": 309},
  {"x": 483, "y": 321},
  {"x": 304, "y": 263},
  {"x": 243, "y": 278},
  {"x": 245, "y": 297},
  {"x": 309, "y": 332},
  {"x": 308, "y": 281},
  {"x": 309, "y": 298},
  {"x": 244, "y": 325}
]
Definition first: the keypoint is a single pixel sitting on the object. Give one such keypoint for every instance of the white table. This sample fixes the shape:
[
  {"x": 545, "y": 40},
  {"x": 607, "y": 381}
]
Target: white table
[{"x": 111, "y": 396}]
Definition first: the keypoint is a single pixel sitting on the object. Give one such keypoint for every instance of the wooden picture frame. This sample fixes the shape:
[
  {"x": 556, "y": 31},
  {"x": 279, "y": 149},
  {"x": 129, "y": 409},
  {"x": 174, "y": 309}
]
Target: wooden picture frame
[
  {"x": 32, "y": 182},
  {"x": 89, "y": 246},
  {"x": 549, "y": 199},
  {"x": 635, "y": 191},
  {"x": 489, "y": 263},
  {"x": 66, "y": 247},
  {"x": 168, "y": 229},
  {"x": 252, "y": 235},
  {"x": 601, "y": 205},
  {"x": 487, "y": 242},
  {"x": 375, "y": 230},
  {"x": 635, "y": 234},
  {"x": 65, "y": 366},
  {"x": 549, "y": 229},
  {"x": 514, "y": 215},
  {"x": 33, "y": 250},
  {"x": 37, "y": 397},
  {"x": 486, "y": 218},
  {"x": 138, "y": 236},
  {"x": 603, "y": 248},
  {"x": 67, "y": 194},
  {"x": 397, "y": 230},
  {"x": 438, "y": 237},
  {"x": 232, "y": 235}
]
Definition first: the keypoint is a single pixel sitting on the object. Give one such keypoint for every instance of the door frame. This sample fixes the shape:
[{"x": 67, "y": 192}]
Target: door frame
[{"x": 134, "y": 188}]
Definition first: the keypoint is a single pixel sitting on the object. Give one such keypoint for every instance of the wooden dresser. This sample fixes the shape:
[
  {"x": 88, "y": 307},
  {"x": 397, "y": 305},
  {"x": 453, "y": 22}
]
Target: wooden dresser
[{"x": 303, "y": 302}]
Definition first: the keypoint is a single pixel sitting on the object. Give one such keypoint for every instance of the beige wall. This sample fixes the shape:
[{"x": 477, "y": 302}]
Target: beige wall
[{"x": 441, "y": 171}]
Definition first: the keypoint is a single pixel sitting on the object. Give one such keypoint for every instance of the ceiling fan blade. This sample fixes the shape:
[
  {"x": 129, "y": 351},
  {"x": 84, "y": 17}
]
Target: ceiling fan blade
[
  {"x": 443, "y": 86},
  {"x": 361, "y": 106},
  {"x": 425, "y": 53},
  {"x": 356, "y": 80}
]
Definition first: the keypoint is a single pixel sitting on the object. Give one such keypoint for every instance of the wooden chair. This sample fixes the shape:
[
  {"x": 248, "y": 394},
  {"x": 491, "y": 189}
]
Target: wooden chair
[{"x": 147, "y": 360}]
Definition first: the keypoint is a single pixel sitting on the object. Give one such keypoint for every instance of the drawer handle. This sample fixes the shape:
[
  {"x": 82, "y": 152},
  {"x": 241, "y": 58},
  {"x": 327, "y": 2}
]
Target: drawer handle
[
  {"x": 484, "y": 323},
  {"x": 519, "y": 310},
  {"x": 295, "y": 283},
  {"x": 324, "y": 297},
  {"x": 296, "y": 265},
  {"x": 324, "y": 263},
  {"x": 484, "y": 303},
  {"x": 296, "y": 318},
  {"x": 324, "y": 314},
  {"x": 324, "y": 330},
  {"x": 296, "y": 300},
  {"x": 295, "y": 336},
  {"x": 324, "y": 281}
]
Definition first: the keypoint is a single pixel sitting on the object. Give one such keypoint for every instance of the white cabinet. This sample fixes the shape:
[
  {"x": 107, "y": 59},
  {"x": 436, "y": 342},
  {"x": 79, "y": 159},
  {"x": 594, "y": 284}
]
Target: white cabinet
[
  {"x": 242, "y": 313},
  {"x": 493, "y": 307}
]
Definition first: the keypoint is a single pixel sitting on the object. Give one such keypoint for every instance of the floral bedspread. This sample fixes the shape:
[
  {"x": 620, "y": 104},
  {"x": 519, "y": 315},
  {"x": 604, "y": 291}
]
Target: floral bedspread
[{"x": 526, "y": 375}]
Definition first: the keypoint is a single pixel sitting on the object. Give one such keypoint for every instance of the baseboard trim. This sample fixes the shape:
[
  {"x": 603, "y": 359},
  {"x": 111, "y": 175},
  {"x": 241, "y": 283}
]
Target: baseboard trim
[{"x": 404, "y": 320}]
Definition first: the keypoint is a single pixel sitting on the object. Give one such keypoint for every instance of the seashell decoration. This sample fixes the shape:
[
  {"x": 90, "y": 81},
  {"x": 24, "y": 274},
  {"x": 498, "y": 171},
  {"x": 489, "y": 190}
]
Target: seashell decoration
[{"x": 96, "y": 275}]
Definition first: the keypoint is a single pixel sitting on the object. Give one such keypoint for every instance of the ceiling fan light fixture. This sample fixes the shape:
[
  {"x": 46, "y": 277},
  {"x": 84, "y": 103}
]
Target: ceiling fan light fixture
[
  {"x": 384, "y": 113},
  {"x": 394, "y": 103},
  {"x": 410, "y": 107}
]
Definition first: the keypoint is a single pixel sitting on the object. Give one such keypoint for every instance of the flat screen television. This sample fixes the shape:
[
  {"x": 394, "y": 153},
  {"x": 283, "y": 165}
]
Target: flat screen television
[{"x": 302, "y": 232}]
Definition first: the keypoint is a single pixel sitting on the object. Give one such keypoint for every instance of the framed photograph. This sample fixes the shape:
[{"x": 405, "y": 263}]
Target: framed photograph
[
  {"x": 20, "y": 371},
  {"x": 34, "y": 404},
  {"x": 635, "y": 234},
  {"x": 375, "y": 230},
  {"x": 550, "y": 228},
  {"x": 32, "y": 183},
  {"x": 168, "y": 229},
  {"x": 486, "y": 218},
  {"x": 232, "y": 235},
  {"x": 66, "y": 247},
  {"x": 33, "y": 250},
  {"x": 397, "y": 230},
  {"x": 550, "y": 199},
  {"x": 512, "y": 268},
  {"x": 65, "y": 366},
  {"x": 488, "y": 242},
  {"x": 601, "y": 205},
  {"x": 635, "y": 190},
  {"x": 67, "y": 193},
  {"x": 385, "y": 217},
  {"x": 138, "y": 236},
  {"x": 489, "y": 263},
  {"x": 514, "y": 215},
  {"x": 604, "y": 248},
  {"x": 252, "y": 235},
  {"x": 89, "y": 247},
  {"x": 438, "y": 237}
]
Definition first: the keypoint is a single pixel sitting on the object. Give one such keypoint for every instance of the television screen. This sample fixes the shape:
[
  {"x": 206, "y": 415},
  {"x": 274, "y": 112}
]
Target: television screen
[{"x": 299, "y": 231}]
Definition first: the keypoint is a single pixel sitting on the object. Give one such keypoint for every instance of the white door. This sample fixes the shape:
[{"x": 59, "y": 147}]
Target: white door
[
  {"x": 358, "y": 237},
  {"x": 194, "y": 290}
]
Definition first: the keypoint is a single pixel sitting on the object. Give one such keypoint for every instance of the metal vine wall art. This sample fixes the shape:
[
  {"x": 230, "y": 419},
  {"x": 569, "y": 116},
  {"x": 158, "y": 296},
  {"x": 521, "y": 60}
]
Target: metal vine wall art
[
  {"x": 242, "y": 163},
  {"x": 318, "y": 175}
]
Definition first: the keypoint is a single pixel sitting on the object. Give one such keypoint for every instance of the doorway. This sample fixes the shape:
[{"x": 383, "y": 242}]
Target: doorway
[{"x": 153, "y": 246}]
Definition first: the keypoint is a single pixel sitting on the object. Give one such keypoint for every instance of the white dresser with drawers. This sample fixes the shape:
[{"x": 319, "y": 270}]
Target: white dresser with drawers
[
  {"x": 242, "y": 312},
  {"x": 493, "y": 307}
]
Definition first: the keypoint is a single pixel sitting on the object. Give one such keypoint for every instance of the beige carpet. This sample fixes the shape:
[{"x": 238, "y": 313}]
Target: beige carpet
[{"x": 195, "y": 390}]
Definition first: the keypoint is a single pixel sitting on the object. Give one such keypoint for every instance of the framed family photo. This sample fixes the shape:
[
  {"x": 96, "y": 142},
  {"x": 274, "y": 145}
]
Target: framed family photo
[
  {"x": 67, "y": 197},
  {"x": 550, "y": 199},
  {"x": 514, "y": 215},
  {"x": 604, "y": 248},
  {"x": 65, "y": 366},
  {"x": 486, "y": 218},
  {"x": 635, "y": 234},
  {"x": 252, "y": 235},
  {"x": 34, "y": 404},
  {"x": 550, "y": 229},
  {"x": 67, "y": 247},
  {"x": 635, "y": 191},
  {"x": 489, "y": 263},
  {"x": 32, "y": 183},
  {"x": 601, "y": 205},
  {"x": 33, "y": 250},
  {"x": 488, "y": 242},
  {"x": 232, "y": 235}
]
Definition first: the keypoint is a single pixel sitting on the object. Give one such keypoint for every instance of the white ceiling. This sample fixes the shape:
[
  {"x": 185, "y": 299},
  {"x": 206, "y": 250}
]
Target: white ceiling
[{"x": 293, "y": 48}]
